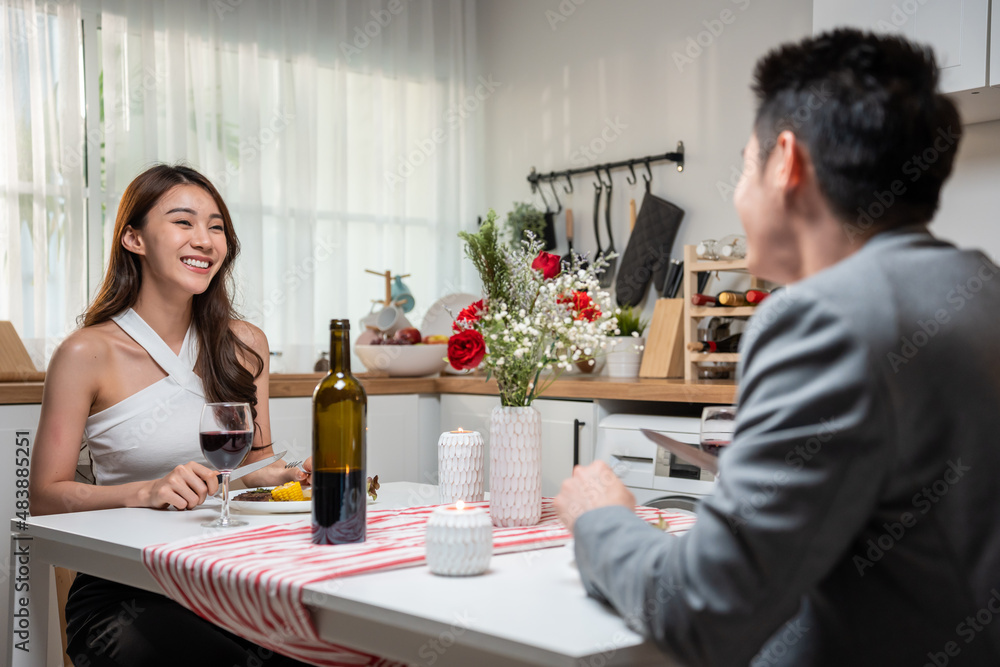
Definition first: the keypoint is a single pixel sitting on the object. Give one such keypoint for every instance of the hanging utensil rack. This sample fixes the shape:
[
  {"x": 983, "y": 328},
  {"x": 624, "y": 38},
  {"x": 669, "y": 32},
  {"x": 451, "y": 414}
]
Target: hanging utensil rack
[{"x": 677, "y": 157}]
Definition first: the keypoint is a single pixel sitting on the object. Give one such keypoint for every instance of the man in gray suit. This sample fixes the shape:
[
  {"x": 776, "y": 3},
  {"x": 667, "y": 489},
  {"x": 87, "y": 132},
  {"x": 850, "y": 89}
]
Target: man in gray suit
[{"x": 856, "y": 520}]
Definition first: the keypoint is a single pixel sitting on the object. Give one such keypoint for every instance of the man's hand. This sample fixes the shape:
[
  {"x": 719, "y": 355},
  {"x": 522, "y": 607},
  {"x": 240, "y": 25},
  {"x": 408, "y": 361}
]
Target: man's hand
[{"x": 590, "y": 487}]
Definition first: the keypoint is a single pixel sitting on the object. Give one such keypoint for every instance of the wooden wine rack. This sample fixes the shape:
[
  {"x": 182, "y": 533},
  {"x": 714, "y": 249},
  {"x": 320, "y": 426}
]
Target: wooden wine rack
[{"x": 693, "y": 314}]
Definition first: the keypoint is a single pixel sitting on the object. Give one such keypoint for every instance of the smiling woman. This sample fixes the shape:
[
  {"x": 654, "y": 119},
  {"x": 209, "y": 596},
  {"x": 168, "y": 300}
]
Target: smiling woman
[{"x": 159, "y": 341}]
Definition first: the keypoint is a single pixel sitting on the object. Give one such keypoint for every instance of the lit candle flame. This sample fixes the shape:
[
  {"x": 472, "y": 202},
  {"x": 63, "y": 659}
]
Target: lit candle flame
[
  {"x": 460, "y": 505},
  {"x": 461, "y": 430}
]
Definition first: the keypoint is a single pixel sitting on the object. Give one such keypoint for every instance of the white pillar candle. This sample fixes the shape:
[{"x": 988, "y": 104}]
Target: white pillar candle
[
  {"x": 460, "y": 466},
  {"x": 459, "y": 540}
]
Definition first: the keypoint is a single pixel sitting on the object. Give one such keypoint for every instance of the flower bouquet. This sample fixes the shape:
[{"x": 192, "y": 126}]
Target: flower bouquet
[{"x": 536, "y": 314}]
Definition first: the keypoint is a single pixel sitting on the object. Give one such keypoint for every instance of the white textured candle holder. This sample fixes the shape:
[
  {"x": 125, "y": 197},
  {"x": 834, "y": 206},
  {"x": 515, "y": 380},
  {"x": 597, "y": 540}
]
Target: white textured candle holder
[
  {"x": 459, "y": 541},
  {"x": 460, "y": 466}
]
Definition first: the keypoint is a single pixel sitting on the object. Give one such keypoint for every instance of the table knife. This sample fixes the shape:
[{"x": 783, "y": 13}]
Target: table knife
[
  {"x": 251, "y": 467},
  {"x": 690, "y": 453}
]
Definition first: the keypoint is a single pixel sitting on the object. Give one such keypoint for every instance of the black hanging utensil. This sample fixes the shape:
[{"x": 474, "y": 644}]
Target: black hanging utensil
[
  {"x": 609, "y": 273},
  {"x": 598, "y": 187}
]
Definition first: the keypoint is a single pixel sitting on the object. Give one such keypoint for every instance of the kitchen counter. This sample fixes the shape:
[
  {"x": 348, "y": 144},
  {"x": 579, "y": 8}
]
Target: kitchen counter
[{"x": 581, "y": 387}]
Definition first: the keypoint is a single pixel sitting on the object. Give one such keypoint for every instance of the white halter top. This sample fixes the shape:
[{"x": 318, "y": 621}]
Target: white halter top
[{"x": 148, "y": 434}]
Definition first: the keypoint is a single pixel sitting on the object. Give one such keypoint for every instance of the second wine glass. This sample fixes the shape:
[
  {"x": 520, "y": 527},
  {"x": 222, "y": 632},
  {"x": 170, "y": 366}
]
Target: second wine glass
[{"x": 226, "y": 433}]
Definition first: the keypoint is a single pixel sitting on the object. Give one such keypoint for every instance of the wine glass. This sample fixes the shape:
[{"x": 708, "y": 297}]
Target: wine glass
[
  {"x": 226, "y": 433},
  {"x": 717, "y": 424}
]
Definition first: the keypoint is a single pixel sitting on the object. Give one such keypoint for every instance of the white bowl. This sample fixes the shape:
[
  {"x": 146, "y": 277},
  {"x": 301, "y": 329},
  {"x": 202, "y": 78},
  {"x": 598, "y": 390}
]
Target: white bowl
[{"x": 403, "y": 360}]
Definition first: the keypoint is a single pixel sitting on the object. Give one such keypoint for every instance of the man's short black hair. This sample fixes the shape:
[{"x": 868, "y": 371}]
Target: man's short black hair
[{"x": 866, "y": 107}]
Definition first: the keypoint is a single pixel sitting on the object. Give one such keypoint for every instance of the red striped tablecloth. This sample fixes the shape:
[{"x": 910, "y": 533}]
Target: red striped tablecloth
[{"x": 251, "y": 581}]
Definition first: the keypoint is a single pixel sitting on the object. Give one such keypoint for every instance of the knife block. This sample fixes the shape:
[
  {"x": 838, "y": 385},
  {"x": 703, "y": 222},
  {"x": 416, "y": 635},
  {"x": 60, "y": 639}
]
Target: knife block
[{"x": 664, "y": 353}]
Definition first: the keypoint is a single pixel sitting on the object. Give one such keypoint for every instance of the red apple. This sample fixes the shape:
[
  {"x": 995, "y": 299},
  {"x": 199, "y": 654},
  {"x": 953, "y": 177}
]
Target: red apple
[{"x": 408, "y": 336}]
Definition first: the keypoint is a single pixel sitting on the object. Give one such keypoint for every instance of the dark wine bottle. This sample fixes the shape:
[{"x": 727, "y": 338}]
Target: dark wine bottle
[
  {"x": 731, "y": 299},
  {"x": 340, "y": 409},
  {"x": 702, "y": 300},
  {"x": 730, "y": 344}
]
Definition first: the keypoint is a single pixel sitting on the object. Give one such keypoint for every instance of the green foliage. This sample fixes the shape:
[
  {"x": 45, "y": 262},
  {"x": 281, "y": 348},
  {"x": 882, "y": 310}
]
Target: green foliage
[
  {"x": 485, "y": 250},
  {"x": 523, "y": 219},
  {"x": 630, "y": 320}
]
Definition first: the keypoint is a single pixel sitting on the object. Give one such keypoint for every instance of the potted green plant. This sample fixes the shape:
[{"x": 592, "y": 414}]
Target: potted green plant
[
  {"x": 526, "y": 218},
  {"x": 625, "y": 349}
]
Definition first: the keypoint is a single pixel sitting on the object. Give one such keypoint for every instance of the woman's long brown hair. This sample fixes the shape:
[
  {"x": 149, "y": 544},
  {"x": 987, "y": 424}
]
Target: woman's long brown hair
[{"x": 224, "y": 377}]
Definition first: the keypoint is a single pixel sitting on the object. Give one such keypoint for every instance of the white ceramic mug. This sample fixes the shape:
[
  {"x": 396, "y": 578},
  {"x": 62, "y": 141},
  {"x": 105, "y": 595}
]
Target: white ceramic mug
[{"x": 391, "y": 319}]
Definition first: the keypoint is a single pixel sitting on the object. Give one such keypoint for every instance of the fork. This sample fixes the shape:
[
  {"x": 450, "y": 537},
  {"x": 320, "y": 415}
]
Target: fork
[{"x": 296, "y": 464}]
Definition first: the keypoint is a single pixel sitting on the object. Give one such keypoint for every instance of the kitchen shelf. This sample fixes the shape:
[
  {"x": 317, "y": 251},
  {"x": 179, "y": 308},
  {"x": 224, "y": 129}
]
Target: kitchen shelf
[
  {"x": 692, "y": 314},
  {"x": 721, "y": 357},
  {"x": 721, "y": 311}
]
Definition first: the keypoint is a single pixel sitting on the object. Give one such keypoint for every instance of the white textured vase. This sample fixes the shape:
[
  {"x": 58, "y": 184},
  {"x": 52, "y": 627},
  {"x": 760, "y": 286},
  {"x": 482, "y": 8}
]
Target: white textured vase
[
  {"x": 460, "y": 466},
  {"x": 515, "y": 466}
]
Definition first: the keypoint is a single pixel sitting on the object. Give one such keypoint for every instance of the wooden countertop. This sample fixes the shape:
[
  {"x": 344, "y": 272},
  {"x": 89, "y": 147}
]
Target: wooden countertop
[{"x": 581, "y": 387}]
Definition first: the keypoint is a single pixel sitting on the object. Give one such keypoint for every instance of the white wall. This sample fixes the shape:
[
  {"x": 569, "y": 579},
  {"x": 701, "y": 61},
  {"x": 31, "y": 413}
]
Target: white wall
[
  {"x": 564, "y": 80},
  {"x": 970, "y": 205},
  {"x": 615, "y": 61}
]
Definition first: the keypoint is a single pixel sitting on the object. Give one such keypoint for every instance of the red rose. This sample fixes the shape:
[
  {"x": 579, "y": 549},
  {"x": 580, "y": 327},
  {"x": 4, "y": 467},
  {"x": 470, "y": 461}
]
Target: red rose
[
  {"x": 583, "y": 306},
  {"x": 550, "y": 265},
  {"x": 468, "y": 315},
  {"x": 466, "y": 349}
]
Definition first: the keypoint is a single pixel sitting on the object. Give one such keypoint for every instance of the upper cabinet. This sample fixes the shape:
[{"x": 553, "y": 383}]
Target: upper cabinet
[{"x": 958, "y": 30}]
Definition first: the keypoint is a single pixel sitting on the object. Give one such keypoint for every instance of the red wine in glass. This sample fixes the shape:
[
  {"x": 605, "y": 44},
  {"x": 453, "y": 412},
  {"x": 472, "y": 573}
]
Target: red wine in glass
[
  {"x": 226, "y": 432},
  {"x": 714, "y": 446},
  {"x": 225, "y": 450}
]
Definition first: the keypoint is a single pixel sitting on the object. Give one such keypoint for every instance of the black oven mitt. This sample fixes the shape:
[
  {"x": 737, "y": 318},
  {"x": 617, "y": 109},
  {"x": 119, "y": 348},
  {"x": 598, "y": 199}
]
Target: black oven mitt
[{"x": 648, "y": 252}]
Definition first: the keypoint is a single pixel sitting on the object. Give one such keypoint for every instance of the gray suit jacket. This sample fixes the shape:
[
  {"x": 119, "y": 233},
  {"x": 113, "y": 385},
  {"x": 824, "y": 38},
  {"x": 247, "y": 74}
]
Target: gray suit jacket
[{"x": 856, "y": 520}]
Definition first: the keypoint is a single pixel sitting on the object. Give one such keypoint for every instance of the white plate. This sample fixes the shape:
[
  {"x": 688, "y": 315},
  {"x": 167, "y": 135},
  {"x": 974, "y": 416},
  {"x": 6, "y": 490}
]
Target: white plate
[
  {"x": 273, "y": 507},
  {"x": 437, "y": 321}
]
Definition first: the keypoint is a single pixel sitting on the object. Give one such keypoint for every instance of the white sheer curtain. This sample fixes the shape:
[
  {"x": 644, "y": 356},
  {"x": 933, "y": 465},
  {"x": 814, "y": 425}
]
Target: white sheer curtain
[
  {"x": 342, "y": 134},
  {"x": 336, "y": 132},
  {"x": 42, "y": 240}
]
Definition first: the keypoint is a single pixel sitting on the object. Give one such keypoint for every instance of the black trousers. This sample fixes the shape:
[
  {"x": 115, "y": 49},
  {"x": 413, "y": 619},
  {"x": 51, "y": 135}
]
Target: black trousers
[{"x": 113, "y": 625}]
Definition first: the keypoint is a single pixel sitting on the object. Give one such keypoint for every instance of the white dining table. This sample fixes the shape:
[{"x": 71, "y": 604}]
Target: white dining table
[{"x": 529, "y": 608}]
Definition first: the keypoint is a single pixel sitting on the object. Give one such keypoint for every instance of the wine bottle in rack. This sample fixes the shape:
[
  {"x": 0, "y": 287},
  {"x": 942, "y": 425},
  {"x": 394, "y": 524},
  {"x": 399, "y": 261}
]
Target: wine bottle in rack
[
  {"x": 729, "y": 344},
  {"x": 702, "y": 300},
  {"x": 731, "y": 299},
  {"x": 755, "y": 296}
]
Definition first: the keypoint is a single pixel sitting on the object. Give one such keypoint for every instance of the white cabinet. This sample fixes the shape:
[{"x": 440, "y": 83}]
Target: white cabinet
[
  {"x": 958, "y": 30},
  {"x": 567, "y": 431},
  {"x": 402, "y": 434}
]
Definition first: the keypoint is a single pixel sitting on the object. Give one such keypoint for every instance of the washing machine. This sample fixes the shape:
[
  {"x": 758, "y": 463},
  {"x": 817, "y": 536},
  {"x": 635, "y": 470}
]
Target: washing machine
[{"x": 656, "y": 477}]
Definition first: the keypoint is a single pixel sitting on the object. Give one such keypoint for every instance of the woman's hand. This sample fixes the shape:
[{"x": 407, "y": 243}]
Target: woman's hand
[{"x": 185, "y": 487}]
